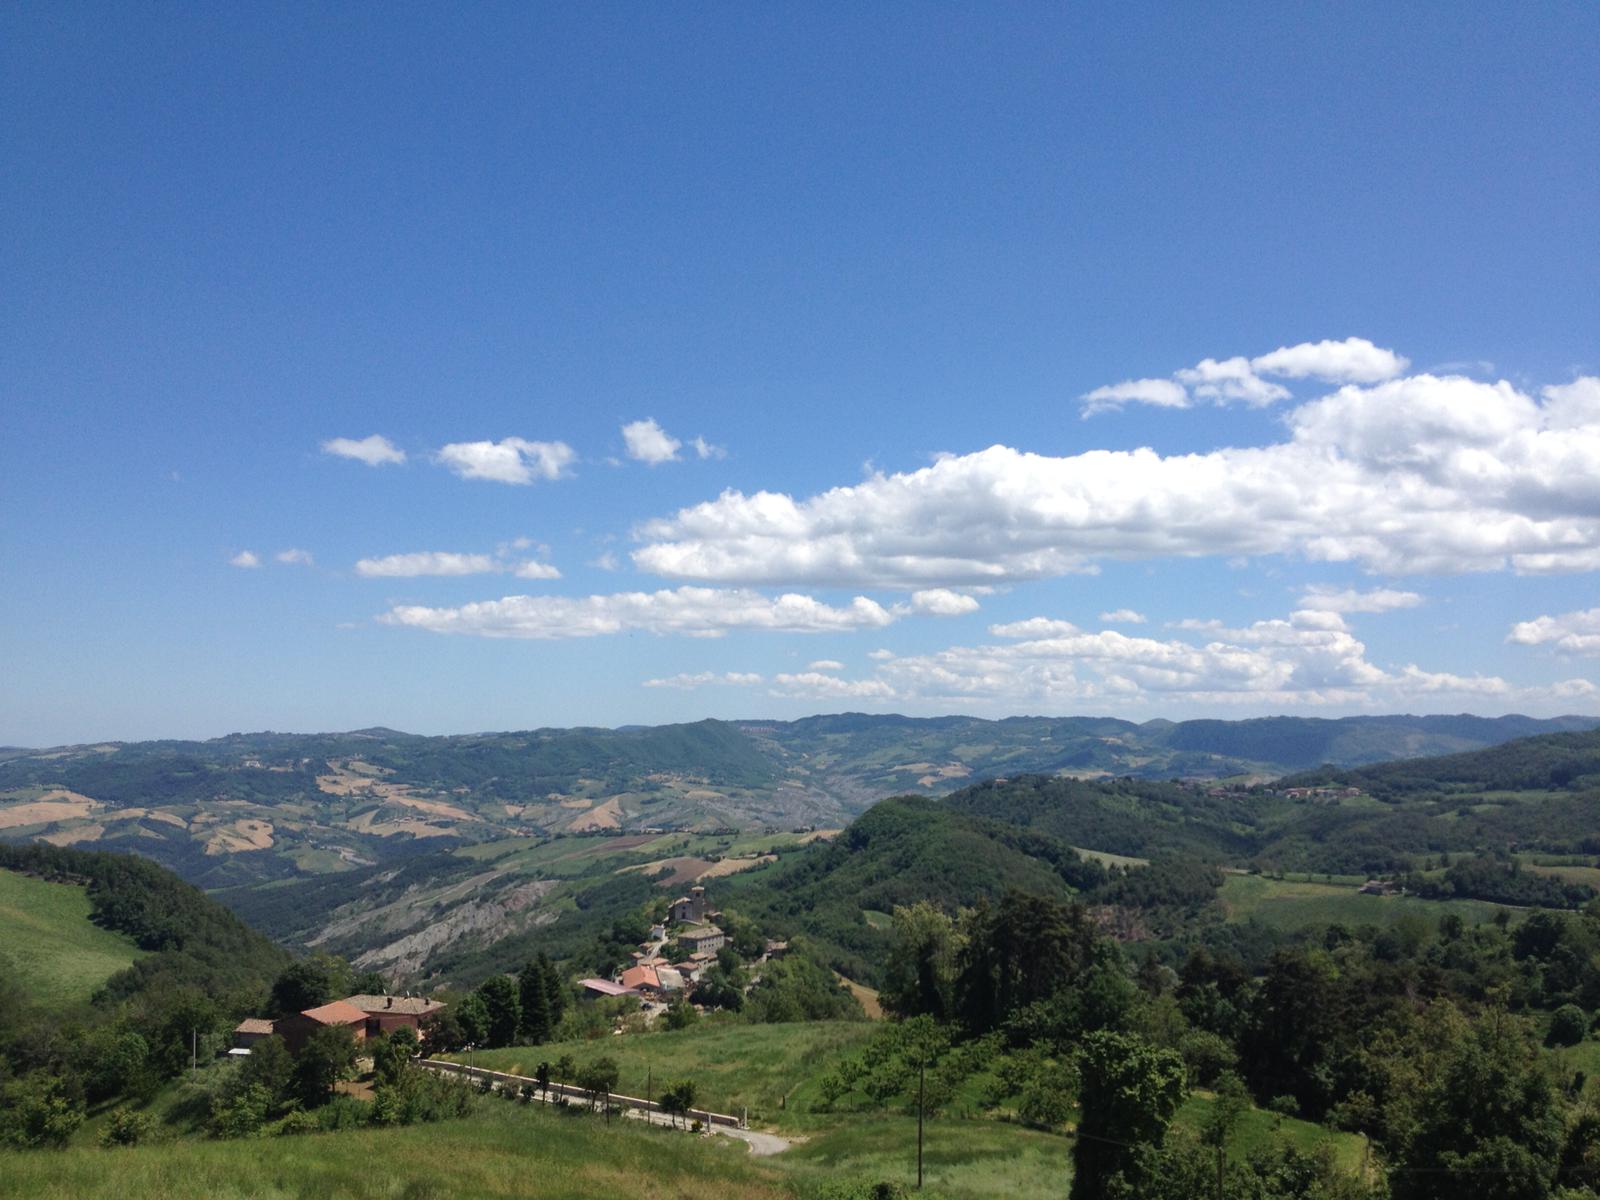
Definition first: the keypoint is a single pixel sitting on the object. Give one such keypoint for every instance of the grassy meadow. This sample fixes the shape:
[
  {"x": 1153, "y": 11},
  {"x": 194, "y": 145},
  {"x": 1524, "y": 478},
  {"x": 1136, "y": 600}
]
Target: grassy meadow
[
  {"x": 503, "y": 1150},
  {"x": 53, "y": 949},
  {"x": 962, "y": 1159},
  {"x": 770, "y": 1069},
  {"x": 1297, "y": 903}
]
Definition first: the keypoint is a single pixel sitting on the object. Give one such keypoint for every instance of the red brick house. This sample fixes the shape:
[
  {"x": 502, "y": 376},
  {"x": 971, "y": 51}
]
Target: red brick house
[{"x": 297, "y": 1029}]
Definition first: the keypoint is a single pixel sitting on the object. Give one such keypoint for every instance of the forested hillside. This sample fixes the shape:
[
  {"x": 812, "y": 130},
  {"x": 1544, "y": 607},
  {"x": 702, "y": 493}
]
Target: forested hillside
[
  {"x": 901, "y": 851},
  {"x": 191, "y": 939},
  {"x": 1566, "y": 762},
  {"x": 200, "y": 970}
]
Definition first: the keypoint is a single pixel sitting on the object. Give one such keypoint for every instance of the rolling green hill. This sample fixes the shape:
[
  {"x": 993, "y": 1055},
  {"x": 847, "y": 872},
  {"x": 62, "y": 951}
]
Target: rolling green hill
[
  {"x": 188, "y": 939},
  {"x": 903, "y": 850},
  {"x": 1125, "y": 816},
  {"x": 50, "y": 945}
]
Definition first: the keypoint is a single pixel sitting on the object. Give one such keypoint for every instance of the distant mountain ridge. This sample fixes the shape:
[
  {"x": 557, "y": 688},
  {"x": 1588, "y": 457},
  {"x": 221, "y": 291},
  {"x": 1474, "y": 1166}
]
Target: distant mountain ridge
[{"x": 257, "y": 807}]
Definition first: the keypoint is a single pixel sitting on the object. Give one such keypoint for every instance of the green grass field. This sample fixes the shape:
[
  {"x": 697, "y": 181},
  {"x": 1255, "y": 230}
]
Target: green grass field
[
  {"x": 504, "y": 1150},
  {"x": 962, "y": 1159},
  {"x": 771, "y": 1069},
  {"x": 1298, "y": 903},
  {"x": 45, "y": 932},
  {"x": 1258, "y": 1127},
  {"x": 1569, "y": 873},
  {"x": 1106, "y": 859}
]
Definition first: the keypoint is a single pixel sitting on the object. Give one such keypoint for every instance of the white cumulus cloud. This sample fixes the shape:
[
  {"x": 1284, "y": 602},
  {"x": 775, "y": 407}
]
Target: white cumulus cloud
[
  {"x": 1417, "y": 475},
  {"x": 511, "y": 460},
  {"x": 1354, "y": 360},
  {"x": 245, "y": 558},
  {"x": 701, "y": 679},
  {"x": 1308, "y": 659},
  {"x": 942, "y": 602},
  {"x": 1123, "y": 616},
  {"x": 1348, "y": 600},
  {"x": 1034, "y": 627},
  {"x": 1576, "y": 633},
  {"x": 533, "y": 569},
  {"x": 691, "y": 611},
  {"x": 294, "y": 557},
  {"x": 1414, "y": 681},
  {"x": 1239, "y": 379},
  {"x": 375, "y": 451},
  {"x": 1163, "y": 393},
  {"x": 825, "y": 664},
  {"x": 648, "y": 443},
  {"x": 1229, "y": 380},
  {"x": 428, "y": 562},
  {"x": 450, "y": 562},
  {"x": 814, "y": 685}
]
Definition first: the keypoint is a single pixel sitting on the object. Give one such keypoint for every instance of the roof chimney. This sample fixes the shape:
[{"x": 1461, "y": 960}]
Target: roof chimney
[{"x": 388, "y": 1001}]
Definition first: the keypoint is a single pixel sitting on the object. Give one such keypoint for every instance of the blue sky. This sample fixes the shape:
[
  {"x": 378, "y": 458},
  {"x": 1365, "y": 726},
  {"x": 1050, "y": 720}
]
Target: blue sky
[{"x": 881, "y": 261}]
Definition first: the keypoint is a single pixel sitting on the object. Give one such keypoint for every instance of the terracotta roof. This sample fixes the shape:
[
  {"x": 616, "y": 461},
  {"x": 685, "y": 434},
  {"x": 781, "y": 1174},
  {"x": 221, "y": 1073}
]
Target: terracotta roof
[
  {"x": 253, "y": 1025},
  {"x": 640, "y": 977},
  {"x": 338, "y": 1013},
  {"x": 605, "y": 987},
  {"x": 415, "y": 1006}
]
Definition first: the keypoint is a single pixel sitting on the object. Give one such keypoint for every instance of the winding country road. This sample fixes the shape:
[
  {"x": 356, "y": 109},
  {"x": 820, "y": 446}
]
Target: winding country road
[{"x": 761, "y": 1144}]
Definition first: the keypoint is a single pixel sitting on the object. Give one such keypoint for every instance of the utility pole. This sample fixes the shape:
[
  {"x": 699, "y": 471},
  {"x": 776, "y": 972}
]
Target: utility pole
[
  {"x": 648, "y": 1079},
  {"x": 922, "y": 1074},
  {"x": 194, "y": 1051}
]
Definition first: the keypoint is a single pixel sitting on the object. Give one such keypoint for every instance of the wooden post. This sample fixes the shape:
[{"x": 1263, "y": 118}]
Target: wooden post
[{"x": 922, "y": 1073}]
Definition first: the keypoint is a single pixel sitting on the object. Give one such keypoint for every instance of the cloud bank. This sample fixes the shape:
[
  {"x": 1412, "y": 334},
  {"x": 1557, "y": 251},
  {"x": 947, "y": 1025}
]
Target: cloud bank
[
  {"x": 1421, "y": 474},
  {"x": 1309, "y": 659},
  {"x": 1575, "y": 633},
  {"x": 692, "y": 611},
  {"x": 1239, "y": 379}
]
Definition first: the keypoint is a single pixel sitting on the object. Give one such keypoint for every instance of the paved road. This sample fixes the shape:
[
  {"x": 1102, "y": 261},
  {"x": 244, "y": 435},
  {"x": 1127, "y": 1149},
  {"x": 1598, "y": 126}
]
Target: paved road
[{"x": 761, "y": 1144}]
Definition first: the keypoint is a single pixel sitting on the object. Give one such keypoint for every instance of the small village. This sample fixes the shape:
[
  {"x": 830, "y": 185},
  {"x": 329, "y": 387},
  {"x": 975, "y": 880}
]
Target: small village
[
  {"x": 691, "y": 929},
  {"x": 655, "y": 979}
]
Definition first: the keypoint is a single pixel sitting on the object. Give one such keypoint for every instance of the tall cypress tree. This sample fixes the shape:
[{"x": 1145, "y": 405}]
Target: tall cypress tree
[
  {"x": 535, "y": 990},
  {"x": 555, "y": 989}
]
